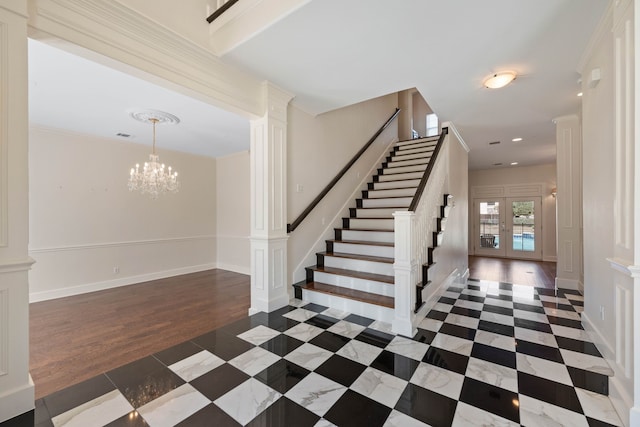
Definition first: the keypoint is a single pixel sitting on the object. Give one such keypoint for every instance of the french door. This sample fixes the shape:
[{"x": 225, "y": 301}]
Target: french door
[{"x": 508, "y": 227}]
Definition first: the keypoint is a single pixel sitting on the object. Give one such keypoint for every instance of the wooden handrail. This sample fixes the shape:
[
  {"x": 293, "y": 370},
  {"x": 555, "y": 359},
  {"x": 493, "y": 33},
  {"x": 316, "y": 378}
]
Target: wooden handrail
[
  {"x": 314, "y": 203},
  {"x": 221, "y": 10},
  {"x": 427, "y": 172}
]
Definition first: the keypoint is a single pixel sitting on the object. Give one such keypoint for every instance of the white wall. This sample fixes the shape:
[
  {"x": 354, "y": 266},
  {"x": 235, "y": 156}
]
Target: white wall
[
  {"x": 420, "y": 111},
  {"x": 233, "y": 212},
  {"x": 318, "y": 147},
  {"x": 545, "y": 174},
  {"x": 84, "y": 221}
]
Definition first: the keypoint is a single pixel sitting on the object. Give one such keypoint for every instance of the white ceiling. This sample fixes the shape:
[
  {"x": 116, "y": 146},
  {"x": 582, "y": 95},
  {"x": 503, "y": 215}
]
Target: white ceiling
[{"x": 333, "y": 53}]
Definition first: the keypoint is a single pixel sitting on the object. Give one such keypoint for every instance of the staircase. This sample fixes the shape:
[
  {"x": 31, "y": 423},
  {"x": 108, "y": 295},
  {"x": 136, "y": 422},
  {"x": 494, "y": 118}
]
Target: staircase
[{"x": 356, "y": 273}]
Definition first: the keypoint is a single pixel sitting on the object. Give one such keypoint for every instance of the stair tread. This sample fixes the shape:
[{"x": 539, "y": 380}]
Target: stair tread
[
  {"x": 355, "y": 274},
  {"x": 361, "y": 242},
  {"x": 363, "y": 229},
  {"x": 383, "y": 207},
  {"x": 359, "y": 257},
  {"x": 353, "y": 294}
]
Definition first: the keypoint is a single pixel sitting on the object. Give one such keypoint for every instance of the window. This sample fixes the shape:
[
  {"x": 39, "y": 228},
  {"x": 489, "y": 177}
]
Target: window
[{"x": 432, "y": 124}]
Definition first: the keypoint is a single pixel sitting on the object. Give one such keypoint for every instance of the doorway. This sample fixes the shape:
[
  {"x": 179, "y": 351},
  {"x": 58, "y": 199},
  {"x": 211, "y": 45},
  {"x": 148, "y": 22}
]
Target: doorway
[{"x": 508, "y": 227}]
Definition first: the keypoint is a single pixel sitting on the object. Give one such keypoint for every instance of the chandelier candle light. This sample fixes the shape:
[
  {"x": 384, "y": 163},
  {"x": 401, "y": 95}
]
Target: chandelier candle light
[{"x": 154, "y": 179}]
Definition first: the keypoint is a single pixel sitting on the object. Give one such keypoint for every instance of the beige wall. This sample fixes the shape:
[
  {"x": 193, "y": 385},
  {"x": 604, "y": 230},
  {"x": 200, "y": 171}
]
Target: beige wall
[
  {"x": 233, "y": 212},
  {"x": 420, "y": 111},
  {"x": 84, "y": 221},
  {"x": 318, "y": 147},
  {"x": 545, "y": 174}
]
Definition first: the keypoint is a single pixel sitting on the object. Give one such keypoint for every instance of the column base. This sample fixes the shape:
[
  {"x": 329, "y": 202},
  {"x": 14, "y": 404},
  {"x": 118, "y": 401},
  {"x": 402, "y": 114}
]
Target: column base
[{"x": 17, "y": 401}]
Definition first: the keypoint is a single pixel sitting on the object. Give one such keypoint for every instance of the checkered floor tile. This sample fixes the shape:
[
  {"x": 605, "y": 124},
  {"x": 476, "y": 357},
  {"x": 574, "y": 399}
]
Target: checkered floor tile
[{"x": 487, "y": 354}]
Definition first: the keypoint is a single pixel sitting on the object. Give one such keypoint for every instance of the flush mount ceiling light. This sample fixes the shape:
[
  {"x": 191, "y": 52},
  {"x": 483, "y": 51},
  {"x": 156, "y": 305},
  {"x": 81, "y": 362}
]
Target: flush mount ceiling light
[
  {"x": 153, "y": 179},
  {"x": 501, "y": 79},
  {"x": 516, "y": 139}
]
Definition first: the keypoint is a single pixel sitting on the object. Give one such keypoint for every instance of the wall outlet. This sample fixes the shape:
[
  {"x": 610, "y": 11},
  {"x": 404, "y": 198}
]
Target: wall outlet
[
  {"x": 602, "y": 312},
  {"x": 116, "y": 270}
]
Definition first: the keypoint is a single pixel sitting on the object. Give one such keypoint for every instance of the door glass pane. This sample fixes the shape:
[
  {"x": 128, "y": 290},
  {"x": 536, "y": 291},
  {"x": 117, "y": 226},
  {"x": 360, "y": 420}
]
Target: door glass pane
[
  {"x": 490, "y": 225},
  {"x": 523, "y": 226}
]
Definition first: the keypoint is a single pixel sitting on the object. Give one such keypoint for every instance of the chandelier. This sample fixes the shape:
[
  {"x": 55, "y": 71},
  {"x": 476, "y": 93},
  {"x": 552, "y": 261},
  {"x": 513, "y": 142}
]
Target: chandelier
[{"x": 153, "y": 178}]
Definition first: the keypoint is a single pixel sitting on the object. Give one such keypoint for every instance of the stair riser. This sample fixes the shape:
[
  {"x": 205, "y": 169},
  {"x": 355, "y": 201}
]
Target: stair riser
[
  {"x": 381, "y": 203},
  {"x": 411, "y": 162},
  {"x": 400, "y": 192},
  {"x": 368, "y": 236},
  {"x": 403, "y": 169},
  {"x": 414, "y": 142},
  {"x": 397, "y": 177},
  {"x": 370, "y": 224},
  {"x": 377, "y": 212},
  {"x": 370, "y": 286},
  {"x": 407, "y": 151},
  {"x": 359, "y": 265},
  {"x": 445, "y": 210},
  {"x": 409, "y": 183},
  {"x": 371, "y": 311},
  {"x": 348, "y": 248},
  {"x": 410, "y": 156}
]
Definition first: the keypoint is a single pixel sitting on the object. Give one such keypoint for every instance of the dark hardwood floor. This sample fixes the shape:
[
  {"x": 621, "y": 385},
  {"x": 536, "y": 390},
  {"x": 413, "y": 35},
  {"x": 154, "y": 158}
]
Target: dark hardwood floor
[
  {"x": 73, "y": 339},
  {"x": 521, "y": 272}
]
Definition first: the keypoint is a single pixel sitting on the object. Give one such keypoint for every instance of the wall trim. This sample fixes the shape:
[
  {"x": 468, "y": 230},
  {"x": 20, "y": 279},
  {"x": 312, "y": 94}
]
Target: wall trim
[
  {"x": 109, "y": 284},
  {"x": 604, "y": 27},
  {"x": 17, "y": 401},
  {"x": 242, "y": 269},
  {"x": 452, "y": 128},
  {"x": 16, "y": 265},
  {"x": 625, "y": 267},
  {"x": 563, "y": 283},
  {"x": 549, "y": 258},
  {"x": 105, "y": 245},
  {"x": 4, "y": 134}
]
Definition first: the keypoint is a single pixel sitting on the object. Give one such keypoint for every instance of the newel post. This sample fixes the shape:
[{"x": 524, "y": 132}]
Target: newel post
[{"x": 405, "y": 269}]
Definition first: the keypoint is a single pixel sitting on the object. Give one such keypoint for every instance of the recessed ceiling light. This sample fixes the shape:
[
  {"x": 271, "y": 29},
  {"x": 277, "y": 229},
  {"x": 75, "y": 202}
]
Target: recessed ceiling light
[
  {"x": 497, "y": 164},
  {"x": 501, "y": 79},
  {"x": 579, "y": 93},
  {"x": 517, "y": 139},
  {"x": 514, "y": 163}
]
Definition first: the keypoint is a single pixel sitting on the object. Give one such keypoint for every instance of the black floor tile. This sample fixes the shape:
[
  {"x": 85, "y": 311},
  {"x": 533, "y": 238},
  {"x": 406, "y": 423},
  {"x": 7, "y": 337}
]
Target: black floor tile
[
  {"x": 466, "y": 312},
  {"x": 588, "y": 380},
  {"x": 500, "y": 297},
  {"x": 455, "y": 289},
  {"x": 578, "y": 346},
  {"x": 577, "y": 303},
  {"x": 473, "y": 287},
  {"x": 284, "y": 310},
  {"x": 446, "y": 359},
  {"x": 330, "y": 341},
  {"x": 223, "y": 345},
  {"x": 177, "y": 353},
  {"x": 570, "y": 291},
  {"x": 375, "y": 337},
  {"x": 458, "y": 331},
  {"x": 427, "y": 406},
  {"x": 490, "y": 398},
  {"x": 282, "y": 375},
  {"x": 208, "y": 416},
  {"x": 279, "y": 323},
  {"x": 472, "y": 298},
  {"x": 528, "y": 307},
  {"x": 284, "y": 412},
  {"x": 23, "y": 420},
  {"x": 132, "y": 419},
  {"x": 244, "y": 324},
  {"x": 494, "y": 355},
  {"x": 359, "y": 320},
  {"x": 437, "y": 315},
  {"x": 219, "y": 381},
  {"x": 549, "y": 391},
  {"x": 538, "y": 350},
  {"x": 315, "y": 307},
  {"x": 395, "y": 364},
  {"x": 557, "y": 306},
  {"x": 550, "y": 292},
  {"x": 446, "y": 300},
  {"x": 496, "y": 328},
  {"x": 281, "y": 345},
  {"x": 61, "y": 401},
  {"x": 498, "y": 310},
  {"x": 424, "y": 336},
  {"x": 341, "y": 370},
  {"x": 322, "y": 321},
  {"x": 530, "y": 324},
  {"x": 597, "y": 423},
  {"x": 505, "y": 286},
  {"x": 565, "y": 322},
  {"x": 356, "y": 410}
]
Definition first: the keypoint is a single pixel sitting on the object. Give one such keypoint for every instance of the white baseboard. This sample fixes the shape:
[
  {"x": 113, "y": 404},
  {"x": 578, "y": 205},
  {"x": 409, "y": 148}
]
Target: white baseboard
[
  {"x": 110, "y": 284},
  {"x": 464, "y": 277},
  {"x": 435, "y": 295},
  {"x": 550, "y": 258},
  {"x": 235, "y": 268},
  {"x": 569, "y": 284},
  {"x": 17, "y": 401}
]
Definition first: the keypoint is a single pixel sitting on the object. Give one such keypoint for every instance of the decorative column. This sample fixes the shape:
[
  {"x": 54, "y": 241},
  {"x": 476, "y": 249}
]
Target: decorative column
[
  {"x": 268, "y": 157},
  {"x": 16, "y": 387},
  {"x": 569, "y": 202},
  {"x": 405, "y": 269}
]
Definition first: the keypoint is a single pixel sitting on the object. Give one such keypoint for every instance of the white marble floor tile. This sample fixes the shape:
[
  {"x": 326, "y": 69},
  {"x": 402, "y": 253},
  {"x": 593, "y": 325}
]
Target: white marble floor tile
[
  {"x": 346, "y": 329},
  {"x": 295, "y": 302},
  {"x": 246, "y": 401},
  {"x": 99, "y": 411},
  {"x": 300, "y": 314},
  {"x": 316, "y": 393},
  {"x": 304, "y": 332},
  {"x": 398, "y": 419},
  {"x": 379, "y": 386},
  {"x": 381, "y": 326},
  {"x": 360, "y": 352},
  {"x": 254, "y": 361},
  {"x": 495, "y": 340},
  {"x": 586, "y": 362},
  {"x": 487, "y": 286},
  {"x": 543, "y": 368},
  {"x": 494, "y": 374},
  {"x": 409, "y": 348},
  {"x": 445, "y": 308},
  {"x": 324, "y": 423},
  {"x": 578, "y": 309},
  {"x": 525, "y": 300},
  {"x": 452, "y": 295},
  {"x": 335, "y": 313},
  {"x": 470, "y": 416},
  {"x": 576, "y": 334},
  {"x": 530, "y": 315},
  {"x": 497, "y": 318},
  {"x": 535, "y": 413},
  {"x": 535, "y": 337},
  {"x": 466, "y": 321},
  {"x": 498, "y": 302},
  {"x": 565, "y": 314},
  {"x": 259, "y": 335},
  {"x": 469, "y": 304},
  {"x": 451, "y": 343},
  {"x": 573, "y": 297},
  {"x": 430, "y": 324},
  {"x": 439, "y": 380},
  {"x": 474, "y": 293},
  {"x": 308, "y": 356},
  {"x": 599, "y": 407},
  {"x": 194, "y": 366},
  {"x": 173, "y": 407}
]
